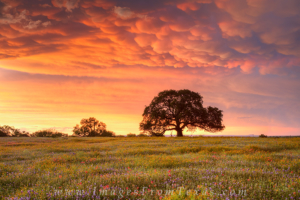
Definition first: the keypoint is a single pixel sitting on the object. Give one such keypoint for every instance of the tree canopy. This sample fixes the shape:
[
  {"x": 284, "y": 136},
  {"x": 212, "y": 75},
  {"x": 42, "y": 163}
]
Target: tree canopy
[
  {"x": 91, "y": 127},
  {"x": 178, "y": 110}
]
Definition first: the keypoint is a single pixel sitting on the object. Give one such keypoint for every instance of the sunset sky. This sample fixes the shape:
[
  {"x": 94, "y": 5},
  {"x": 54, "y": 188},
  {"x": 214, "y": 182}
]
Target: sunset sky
[{"x": 64, "y": 60}]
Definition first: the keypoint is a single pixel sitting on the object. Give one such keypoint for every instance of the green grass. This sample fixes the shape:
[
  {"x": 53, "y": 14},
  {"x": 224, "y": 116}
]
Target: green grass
[{"x": 167, "y": 168}]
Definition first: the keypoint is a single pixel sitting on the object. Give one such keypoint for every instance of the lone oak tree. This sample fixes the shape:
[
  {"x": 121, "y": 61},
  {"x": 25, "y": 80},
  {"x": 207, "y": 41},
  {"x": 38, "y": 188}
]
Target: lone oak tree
[{"x": 177, "y": 110}]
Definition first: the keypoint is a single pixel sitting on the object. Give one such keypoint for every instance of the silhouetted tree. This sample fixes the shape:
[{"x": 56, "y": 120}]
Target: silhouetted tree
[
  {"x": 177, "y": 110},
  {"x": 3, "y": 133},
  {"x": 89, "y": 127},
  {"x": 10, "y": 131},
  {"x": 6, "y": 131}
]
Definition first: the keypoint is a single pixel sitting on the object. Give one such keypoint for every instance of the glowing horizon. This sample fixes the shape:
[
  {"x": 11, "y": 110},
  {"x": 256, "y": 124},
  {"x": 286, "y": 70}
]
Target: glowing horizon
[{"x": 64, "y": 60}]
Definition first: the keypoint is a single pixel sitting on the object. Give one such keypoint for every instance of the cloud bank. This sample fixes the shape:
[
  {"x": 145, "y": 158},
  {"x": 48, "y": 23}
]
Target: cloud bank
[{"x": 227, "y": 33}]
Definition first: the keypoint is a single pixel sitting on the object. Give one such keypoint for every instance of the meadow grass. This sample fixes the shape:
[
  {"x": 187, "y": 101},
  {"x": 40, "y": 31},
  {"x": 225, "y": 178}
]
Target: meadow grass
[{"x": 150, "y": 168}]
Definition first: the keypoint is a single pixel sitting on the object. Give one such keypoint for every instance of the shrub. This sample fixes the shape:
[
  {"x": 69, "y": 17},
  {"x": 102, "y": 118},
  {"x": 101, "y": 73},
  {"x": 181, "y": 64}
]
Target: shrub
[
  {"x": 131, "y": 135},
  {"x": 106, "y": 133},
  {"x": 263, "y": 136},
  {"x": 18, "y": 133},
  {"x": 48, "y": 133}
]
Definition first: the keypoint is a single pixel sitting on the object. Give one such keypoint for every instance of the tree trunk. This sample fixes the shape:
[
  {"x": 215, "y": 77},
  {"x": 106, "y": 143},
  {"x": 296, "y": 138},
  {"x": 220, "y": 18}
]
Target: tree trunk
[{"x": 179, "y": 132}]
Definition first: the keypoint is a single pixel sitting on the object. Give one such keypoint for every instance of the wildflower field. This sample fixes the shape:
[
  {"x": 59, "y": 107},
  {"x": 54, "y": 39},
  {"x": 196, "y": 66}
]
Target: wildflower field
[{"x": 150, "y": 168}]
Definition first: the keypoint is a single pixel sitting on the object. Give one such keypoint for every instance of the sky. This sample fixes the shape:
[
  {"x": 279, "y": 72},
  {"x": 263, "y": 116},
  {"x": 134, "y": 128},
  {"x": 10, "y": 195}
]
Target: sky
[{"x": 64, "y": 60}]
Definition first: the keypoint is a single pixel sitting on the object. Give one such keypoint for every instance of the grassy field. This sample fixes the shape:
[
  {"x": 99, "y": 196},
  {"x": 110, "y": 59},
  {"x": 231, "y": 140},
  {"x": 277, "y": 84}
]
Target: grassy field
[{"x": 150, "y": 168}]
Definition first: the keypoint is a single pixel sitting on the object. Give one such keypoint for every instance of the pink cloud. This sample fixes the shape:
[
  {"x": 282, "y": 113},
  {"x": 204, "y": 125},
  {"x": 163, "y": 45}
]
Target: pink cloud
[
  {"x": 144, "y": 40},
  {"x": 149, "y": 25}
]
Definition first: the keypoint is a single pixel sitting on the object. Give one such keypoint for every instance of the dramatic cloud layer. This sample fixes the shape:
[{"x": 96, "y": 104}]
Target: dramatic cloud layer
[{"x": 108, "y": 58}]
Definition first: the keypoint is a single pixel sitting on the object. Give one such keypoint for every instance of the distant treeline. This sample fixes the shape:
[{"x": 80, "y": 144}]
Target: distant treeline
[
  {"x": 285, "y": 136},
  {"x": 10, "y": 131},
  {"x": 90, "y": 127}
]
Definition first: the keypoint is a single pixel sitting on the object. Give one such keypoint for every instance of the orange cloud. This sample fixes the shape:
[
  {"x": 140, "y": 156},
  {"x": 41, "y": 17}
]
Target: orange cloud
[
  {"x": 63, "y": 26},
  {"x": 149, "y": 25}
]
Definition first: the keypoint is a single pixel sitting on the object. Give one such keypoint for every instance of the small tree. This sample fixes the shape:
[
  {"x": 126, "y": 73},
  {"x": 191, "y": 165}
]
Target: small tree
[
  {"x": 178, "y": 110},
  {"x": 90, "y": 127}
]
